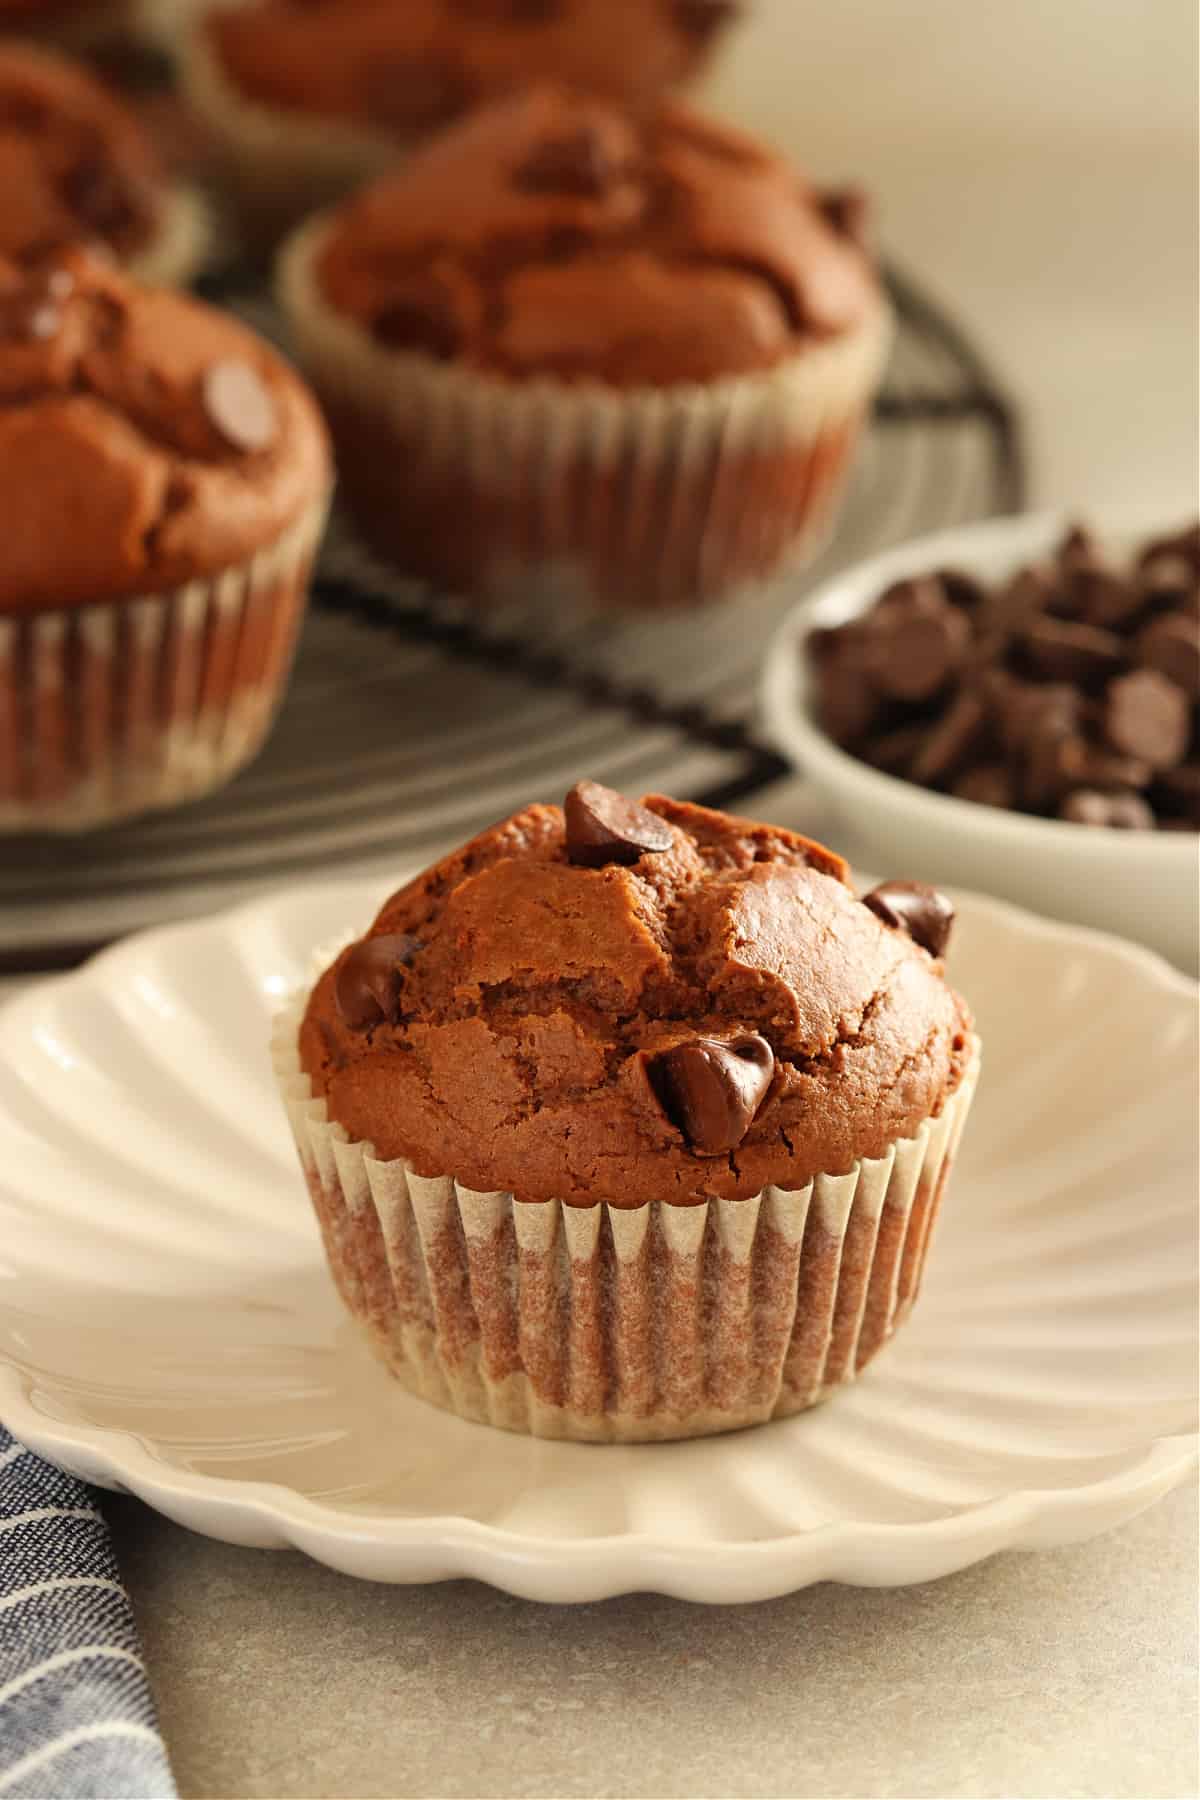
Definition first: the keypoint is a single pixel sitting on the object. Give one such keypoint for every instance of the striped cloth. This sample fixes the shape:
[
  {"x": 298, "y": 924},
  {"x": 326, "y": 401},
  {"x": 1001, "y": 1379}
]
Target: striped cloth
[{"x": 76, "y": 1718}]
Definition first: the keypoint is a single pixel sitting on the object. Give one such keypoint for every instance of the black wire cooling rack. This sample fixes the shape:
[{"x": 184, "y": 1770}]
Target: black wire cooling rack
[{"x": 412, "y": 721}]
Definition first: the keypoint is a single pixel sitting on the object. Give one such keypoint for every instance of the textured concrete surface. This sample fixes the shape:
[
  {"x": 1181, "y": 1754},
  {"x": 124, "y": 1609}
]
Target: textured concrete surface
[{"x": 1069, "y": 1672}]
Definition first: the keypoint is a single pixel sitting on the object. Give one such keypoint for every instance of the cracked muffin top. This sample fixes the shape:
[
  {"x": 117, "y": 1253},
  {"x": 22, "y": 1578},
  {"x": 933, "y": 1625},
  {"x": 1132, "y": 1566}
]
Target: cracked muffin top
[
  {"x": 74, "y": 162},
  {"x": 405, "y": 70},
  {"x": 144, "y": 438},
  {"x": 554, "y": 233},
  {"x": 625, "y": 1002}
]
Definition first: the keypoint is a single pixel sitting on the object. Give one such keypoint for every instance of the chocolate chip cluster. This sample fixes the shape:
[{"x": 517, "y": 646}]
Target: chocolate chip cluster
[{"x": 1071, "y": 691}]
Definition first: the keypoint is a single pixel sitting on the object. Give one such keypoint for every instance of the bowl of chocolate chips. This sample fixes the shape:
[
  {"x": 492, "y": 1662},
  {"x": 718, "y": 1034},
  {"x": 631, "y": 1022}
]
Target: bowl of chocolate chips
[{"x": 1015, "y": 707}]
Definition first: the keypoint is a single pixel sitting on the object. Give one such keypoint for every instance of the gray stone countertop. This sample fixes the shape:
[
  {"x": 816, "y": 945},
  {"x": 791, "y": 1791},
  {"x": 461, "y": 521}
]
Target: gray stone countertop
[{"x": 1060, "y": 1673}]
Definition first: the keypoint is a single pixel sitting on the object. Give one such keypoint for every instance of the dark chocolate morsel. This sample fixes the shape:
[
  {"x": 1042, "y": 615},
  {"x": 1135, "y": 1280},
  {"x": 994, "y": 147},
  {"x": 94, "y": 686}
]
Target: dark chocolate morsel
[
  {"x": 1119, "y": 812},
  {"x": 701, "y": 18},
  {"x": 1064, "y": 650},
  {"x": 367, "y": 986},
  {"x": 1171, "y": 644},
  {"x": 239, "y": 404},
  {"x": 420, "y": 318},
  {"x": 1147, "y": 716},
  {"x": 923, "y": 912},
  {"x": 711, "y": 1088},
  {"x": 577, "y": 163},
  {"x": 604, "y": 827}
]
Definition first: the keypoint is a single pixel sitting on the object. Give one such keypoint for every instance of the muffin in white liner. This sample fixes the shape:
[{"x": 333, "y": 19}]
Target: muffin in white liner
[
  {"x": 552, "y": 326},
  {"x": 168, "y": 478},
  {"x": 558, "y": 1304},
  {"x": 109, "y": 711},
  {"x": 309, "y": 102},
  {"x": 621, "y": 1324},
  {"x": 77, "y": 165}
]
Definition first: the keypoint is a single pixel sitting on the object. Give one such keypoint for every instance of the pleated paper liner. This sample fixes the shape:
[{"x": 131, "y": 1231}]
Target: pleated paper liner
[
  {"x": 579, "y": 492},
  {"x": 621, "y": 1324},
  {"x": 121, "y": 708}
]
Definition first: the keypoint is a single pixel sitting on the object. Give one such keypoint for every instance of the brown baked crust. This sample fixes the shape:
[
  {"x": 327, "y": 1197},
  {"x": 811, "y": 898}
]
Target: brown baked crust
[
  {"x": 404, "y": 69},
  {"x": 74, "y": 162},
  {"x": 116, "y": 480},
  {"x": 556, "y": 234},
  {"x": 519, "y": 1061}
]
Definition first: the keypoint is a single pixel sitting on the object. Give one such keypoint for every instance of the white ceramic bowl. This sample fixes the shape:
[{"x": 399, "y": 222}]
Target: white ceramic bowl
[{"x": 1142, "y": 885}]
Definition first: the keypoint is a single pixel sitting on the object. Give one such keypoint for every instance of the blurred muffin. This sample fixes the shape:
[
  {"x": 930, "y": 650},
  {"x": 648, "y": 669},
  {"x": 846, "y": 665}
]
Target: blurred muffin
[
  {"x": 634, "y": 351},
  {"x": 73, "y": 24},
  {"x": 630, "y": 1122},
  {"x": 165, "y": 476},
  {"x": 75, "y": 165},
  {"x": 311, "y": 100}
]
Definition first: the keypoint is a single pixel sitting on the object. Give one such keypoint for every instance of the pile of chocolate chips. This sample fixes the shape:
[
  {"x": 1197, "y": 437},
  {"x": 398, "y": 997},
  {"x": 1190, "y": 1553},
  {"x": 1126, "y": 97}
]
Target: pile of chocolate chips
[{"x": 1071, "y": 691}]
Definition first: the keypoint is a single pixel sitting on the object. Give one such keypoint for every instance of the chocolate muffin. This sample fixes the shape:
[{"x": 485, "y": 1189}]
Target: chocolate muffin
[
  {"x": 76, "y": 166},
  {"x": 633, "y": 350},
  {"x": 165, "y": 476},
  {"x": 631, "y": 1121},
  {"x": 310, "y": 100}
]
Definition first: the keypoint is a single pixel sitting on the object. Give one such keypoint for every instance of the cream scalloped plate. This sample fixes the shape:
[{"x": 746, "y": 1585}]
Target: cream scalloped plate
[{"x": 166, "y": 1325}]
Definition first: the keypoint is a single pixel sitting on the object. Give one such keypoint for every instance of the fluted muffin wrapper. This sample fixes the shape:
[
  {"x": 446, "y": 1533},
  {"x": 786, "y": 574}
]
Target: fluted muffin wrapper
[
  {"x": 620, "y": 1324},
  {"x": 581, "y": 492},
  {"x": 129, "y": 706}
]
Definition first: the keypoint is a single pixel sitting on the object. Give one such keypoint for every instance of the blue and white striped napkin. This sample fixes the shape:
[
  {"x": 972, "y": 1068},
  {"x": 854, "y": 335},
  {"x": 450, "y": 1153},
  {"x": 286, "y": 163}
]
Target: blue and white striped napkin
[{"x": 76, "y": 1717}]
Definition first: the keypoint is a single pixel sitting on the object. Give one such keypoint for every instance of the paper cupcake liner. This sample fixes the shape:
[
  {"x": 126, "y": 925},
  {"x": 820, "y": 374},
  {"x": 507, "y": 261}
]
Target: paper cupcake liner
[
  {"x": 279, "y": 165},
  {"x": 620, "y": 1324},
  {"x": 180, "y": 246},
  {"x": 577, "y": 491},
  {"x": 115, "y": 709}
]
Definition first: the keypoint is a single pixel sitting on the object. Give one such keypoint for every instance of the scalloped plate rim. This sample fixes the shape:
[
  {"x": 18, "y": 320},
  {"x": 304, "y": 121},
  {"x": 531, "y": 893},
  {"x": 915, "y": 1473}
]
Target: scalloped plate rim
[{"x": 580, "y": 1570}]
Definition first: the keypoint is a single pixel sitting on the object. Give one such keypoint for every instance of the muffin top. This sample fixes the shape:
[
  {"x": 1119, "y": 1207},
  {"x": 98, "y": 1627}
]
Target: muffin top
[
  {"x": 555, "y": 233},
  {"x": 144, "y": 438},
  {"x": 406, "y": 69},
  {"x": 74, "y": 162},
  {"x": 622, "y": 1003}
]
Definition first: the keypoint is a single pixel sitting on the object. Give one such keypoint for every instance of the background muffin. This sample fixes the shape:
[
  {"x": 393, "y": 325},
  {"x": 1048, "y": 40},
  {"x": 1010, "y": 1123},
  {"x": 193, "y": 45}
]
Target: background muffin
[
  {"x": 310, "y": 100},
  {"x": 631, "y": 1122},
  {"x": 165, "y": 476},
  {"x": 635, "y": 350},
  {"x": 75, "y": 165}
]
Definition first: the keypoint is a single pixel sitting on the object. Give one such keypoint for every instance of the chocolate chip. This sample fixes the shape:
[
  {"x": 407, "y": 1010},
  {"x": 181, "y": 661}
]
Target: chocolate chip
[
  {"x": 604, "y": 827},
  {"x": 953, "y": 739},
  {"x": 846, "y": 701},
  {"x": 1107, "y": 599},
  {"x": 1168, "y": 583},
  {"x": 508, "y": 12},
  {"x": 961, "y": 589},
  {"x": 239, "y": 405},
  {"x": 1065, "y": 651},
  {"x": 1119, "y": 812},
  {"x": 703, "y": 18},
  {"x": 915, "y": 651},
  {"x": 421, "y": 319},
  {"x": 1147, "y": 717},
  {"x": 107, "y": 200},
  {"x": 987, "y": 784},
  {"x": 1184, "y": 544},
  {"x": 848, "y": 212},
  {"x": 923, "y": 912},
  {"x": 711, "y": 1088},
  {"x": 1171, "y": 644},
  {"x": 368, "y": 983},
  {"x": 1178, "y": 791},
  {"x": 894, "y": 751},
  {"x": 577, "y": 163}
]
